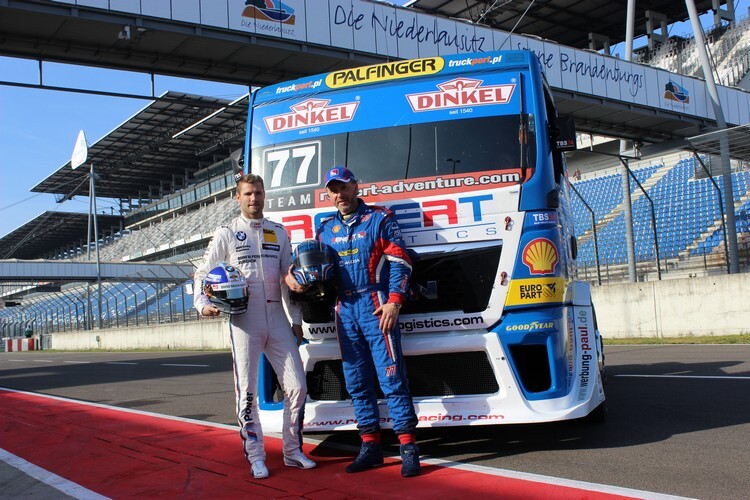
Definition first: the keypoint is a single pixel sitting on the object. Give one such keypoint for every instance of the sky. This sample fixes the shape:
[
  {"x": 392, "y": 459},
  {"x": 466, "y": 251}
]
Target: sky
[{"x": 38, "y": 128}]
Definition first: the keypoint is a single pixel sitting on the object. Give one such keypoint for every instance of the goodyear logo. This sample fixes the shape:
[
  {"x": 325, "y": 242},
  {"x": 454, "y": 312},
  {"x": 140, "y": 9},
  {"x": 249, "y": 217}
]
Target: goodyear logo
[
  {"x": 535, "y": 291},
  {"x": 540, "y": 256},
  {"x": 346, "y": 253},
  {"x": 534, "y": 325},
  {"x": 384, "y": 72}
]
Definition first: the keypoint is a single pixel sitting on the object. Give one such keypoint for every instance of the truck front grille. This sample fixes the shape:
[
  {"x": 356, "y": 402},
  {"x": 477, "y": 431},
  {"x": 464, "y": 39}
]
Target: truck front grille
[{"x": 442, "y": 374}]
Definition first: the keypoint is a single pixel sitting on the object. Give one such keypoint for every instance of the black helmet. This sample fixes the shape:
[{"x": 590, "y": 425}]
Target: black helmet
[
  {"x": 312, "y": 263},
  {"x": 225, "y": 287}
]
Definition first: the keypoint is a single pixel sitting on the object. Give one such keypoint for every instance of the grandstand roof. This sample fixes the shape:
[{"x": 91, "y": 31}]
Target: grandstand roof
[
  {"x": 159, "y": 142},
  {"x": 82, "y": 34},
  {"x": 738, "y": 142},
  {"x": 568, "y": 22},
  {"x": 51, "y": 230}
]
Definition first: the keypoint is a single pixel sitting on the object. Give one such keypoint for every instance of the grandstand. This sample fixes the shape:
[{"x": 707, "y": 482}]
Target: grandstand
[
  {"x": 190, "y": 147},
  {"x": 687, "y": 206},
  {"x": 728, "y": 45},
  {"x": 172, "y": 168}
]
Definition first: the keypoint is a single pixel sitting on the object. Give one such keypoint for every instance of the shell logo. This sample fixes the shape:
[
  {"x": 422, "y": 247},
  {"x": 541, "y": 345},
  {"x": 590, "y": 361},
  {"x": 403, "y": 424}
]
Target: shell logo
[{"x": 540, "y": 256}]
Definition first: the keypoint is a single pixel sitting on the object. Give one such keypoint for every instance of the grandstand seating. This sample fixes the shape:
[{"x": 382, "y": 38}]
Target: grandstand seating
[
  {"x": 686, "y": 207},
  {"x": 728, "y": 45}
]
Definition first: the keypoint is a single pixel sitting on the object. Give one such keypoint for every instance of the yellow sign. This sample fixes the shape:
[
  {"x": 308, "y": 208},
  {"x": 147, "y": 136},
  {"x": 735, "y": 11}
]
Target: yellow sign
[
  {"x": 540, "y": 256},
  {"x": 383, "y": 72},
  {"x": 269, "y": 236},
  {"x": 535, "y": 291}
]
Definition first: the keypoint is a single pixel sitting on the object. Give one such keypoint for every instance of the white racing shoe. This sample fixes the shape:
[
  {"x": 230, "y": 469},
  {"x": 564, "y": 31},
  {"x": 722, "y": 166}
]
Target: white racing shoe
[
  {"x": 299, "y": 460},
  {"x": 259, "y": 470}
]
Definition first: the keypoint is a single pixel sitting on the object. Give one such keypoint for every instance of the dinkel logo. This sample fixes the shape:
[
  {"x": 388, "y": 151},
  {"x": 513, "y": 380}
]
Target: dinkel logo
[
  {"x": 309, "y": 113},
  {"x": 459, "y": 93}
]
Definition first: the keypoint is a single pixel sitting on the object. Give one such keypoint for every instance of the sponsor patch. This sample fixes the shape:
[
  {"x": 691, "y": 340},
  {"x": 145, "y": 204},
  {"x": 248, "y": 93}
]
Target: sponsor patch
[
  {"x": 535, "y": 291},
  {"x": 540, "y": 256},
  {"x": 383, "y": 72},
  {"x": 240, "y": 235},
  {"x": 269, "y": 236},
  {"x": 311, "y": 113},
  {"x": 460, "y": 92}
]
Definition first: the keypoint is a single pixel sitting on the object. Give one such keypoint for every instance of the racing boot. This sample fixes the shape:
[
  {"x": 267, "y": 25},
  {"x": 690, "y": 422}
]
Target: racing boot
[
  {"x": 370, "y": 455},
  {"x": 409, "y": 460},
  {"x": 259, "y": 470},
  {"x": 299, "y": 460}
]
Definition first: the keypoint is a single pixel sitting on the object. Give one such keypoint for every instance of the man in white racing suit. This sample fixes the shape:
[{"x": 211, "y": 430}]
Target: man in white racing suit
[{"x": 262, "y": 251}]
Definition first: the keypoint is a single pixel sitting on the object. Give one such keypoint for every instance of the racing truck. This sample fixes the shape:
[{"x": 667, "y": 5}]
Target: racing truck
[{"x": 467, "y": 151}]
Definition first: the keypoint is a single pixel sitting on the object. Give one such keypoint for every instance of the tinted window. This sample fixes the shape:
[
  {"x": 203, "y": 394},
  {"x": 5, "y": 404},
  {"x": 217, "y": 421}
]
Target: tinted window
[{"x": 409, "y": 151}]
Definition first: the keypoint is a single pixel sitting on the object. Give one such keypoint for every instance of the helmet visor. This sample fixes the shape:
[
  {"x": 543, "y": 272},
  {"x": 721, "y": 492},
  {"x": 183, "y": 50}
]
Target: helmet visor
[
  {"x": 234, "y": 293},
  {"x": 311, "y": 259}
]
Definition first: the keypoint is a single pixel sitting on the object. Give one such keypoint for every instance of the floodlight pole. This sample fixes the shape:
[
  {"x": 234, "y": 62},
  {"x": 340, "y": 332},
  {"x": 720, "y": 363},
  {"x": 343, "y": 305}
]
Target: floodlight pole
[
  {"x": 627, "y": 201},
  {"x": 92, "y": 193},
  {"x": 726, "y": 168}
]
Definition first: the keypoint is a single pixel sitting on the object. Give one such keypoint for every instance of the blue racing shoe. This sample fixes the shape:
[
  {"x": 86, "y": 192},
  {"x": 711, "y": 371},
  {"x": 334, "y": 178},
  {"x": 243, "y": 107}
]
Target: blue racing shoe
[
  {"x": 370, "y": 455},
  {"x": 409, "y": 460}
]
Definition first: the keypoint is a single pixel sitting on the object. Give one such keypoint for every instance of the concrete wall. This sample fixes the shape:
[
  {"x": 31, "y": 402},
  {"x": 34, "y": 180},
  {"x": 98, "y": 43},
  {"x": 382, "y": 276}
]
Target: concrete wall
[
  {"x": 715, "y": 305},
  {"x": 205, "y": 334},
  {"x": 670, "y": 308}
]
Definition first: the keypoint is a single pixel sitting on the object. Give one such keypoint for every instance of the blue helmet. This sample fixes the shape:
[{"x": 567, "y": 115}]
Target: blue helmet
[
  {"x": 312, "y": 263},
  {"x": 225, "y": 287}
]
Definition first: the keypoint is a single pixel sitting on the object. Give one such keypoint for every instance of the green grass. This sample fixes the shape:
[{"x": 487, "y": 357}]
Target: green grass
[{"x": 742, "y": 338}]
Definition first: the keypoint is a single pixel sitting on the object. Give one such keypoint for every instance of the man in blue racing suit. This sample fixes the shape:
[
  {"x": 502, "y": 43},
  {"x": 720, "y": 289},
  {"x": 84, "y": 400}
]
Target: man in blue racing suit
[{"x": 373, "y": 270}]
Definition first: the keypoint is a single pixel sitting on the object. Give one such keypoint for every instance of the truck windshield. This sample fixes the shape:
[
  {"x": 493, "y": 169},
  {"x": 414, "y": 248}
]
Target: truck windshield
[{"x": 456, "y": 146}]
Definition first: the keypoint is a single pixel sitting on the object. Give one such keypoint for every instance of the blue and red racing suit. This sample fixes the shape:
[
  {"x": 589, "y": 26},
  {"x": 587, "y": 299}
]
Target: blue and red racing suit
[{"x": 373, "y": 268}]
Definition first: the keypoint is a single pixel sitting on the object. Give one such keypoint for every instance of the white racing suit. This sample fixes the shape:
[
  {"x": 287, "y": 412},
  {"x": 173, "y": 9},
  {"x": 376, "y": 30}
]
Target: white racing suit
[{"x": 261, "y": 250}]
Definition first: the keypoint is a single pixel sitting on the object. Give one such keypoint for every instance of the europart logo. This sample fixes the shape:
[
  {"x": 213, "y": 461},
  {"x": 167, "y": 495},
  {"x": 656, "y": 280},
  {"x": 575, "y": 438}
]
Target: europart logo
[
  {"x": 269, "y": 10},
  {"x": 673, "y": 92},
  {"x": 310, "y": 113},
  {"x": 459, "y": 93},
  {"x": 540, "y": 256}
]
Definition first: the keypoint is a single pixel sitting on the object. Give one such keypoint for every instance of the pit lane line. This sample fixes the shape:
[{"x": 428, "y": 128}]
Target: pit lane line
[
  {"x": 49, "y": 478},
  {"x": 582, "y": 486}
]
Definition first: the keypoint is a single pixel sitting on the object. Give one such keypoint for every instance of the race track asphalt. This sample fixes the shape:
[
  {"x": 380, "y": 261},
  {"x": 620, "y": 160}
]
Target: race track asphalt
[{"x": 678, "y": 419}]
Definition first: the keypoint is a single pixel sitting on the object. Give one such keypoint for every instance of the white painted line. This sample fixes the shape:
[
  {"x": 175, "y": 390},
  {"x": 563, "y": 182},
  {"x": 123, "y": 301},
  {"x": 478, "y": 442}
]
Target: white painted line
[
  {"x": 539, "y": 478},
  {"x": 59, "y": 483},
  {"x": 184, "y": 364},
  {"x": 43, "y": 360},
  {"x": 646, "y": 495},
  {"x": 17, "y": 360},
  {"x": 77, "y": 362},
  {"x": 718, "y": 377},
  {"x": 120, "y": 363}
]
